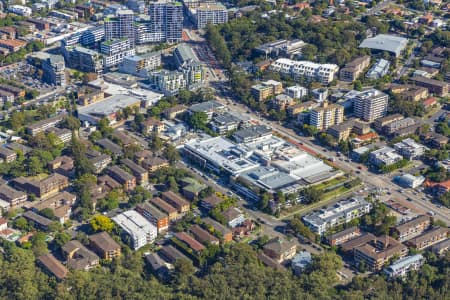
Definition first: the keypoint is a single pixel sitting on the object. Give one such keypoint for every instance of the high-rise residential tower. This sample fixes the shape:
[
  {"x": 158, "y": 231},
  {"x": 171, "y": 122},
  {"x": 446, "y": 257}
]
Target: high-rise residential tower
[
  {"x": 121, "y": 26},
  {"x": 166, "y": 19}
]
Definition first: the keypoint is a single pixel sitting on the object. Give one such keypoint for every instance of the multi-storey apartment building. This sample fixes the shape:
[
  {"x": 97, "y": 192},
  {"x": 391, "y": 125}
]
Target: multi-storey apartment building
[
  {"x": 115, "y": 51},
  {"x": 266, "y": 90},
  {"x": 12, "y": 196},
  {"x": 138, "y": 171},
  {"x": 409, "y": 149},
  {"x": 168, "y": 82},
  {"x": 141, "y": 65},
  {"x": 127, "y": 180},
  {"x": 379, "y": 69},
  {"x": 143, "y": 32},
  {"x": 104, "y": 246},
  {"x": 83, "y": 59},
  {"x": 121, "y": 26},
  {"x": 176, "y": 201},
  {"x": 440, "y": 88},
  {"x": 342, "y": 212},
  {"x": 412, "y": 228},
  {"x": 323, "y": 73},
  {"x": 54, "y": 70},
  {"x": 42, "y": 188},
  {"x": 352, "y": 70},
  {"x": 370, "y": 105},
  {"x": 343, "y": 236},
  {"x": 326, "y": 116},
  {"x": 428, "y": 238},
  {"x": 43, "y": 125},
  {"x": 209, "y": 13},
  {"x": 189, "y": 65},
  {"x": 377, "y": 252},
  {"x": 140, "y": 231},
  {"x": 7, "y": 155},
  {"x": 157, "y": 217},
  {"x": 381, "y": 122},
  {"x": 166, "y": 20},
  {"x": 402, "y": 266},
  {"x": 165, "y": 207},
  {"x": 92, "y": 36}
]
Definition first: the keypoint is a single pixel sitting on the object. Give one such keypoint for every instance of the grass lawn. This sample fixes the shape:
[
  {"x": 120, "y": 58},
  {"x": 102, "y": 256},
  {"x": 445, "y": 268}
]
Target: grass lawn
[
  {"x": 327, "y": 198},
  {"x": 334, "y": 181}
]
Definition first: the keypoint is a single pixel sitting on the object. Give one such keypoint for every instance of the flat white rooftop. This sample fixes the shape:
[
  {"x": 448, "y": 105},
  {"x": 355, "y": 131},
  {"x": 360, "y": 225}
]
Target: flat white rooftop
[
  {"x": 108, "y": 106},
  {"x": 223, "y": 153}
]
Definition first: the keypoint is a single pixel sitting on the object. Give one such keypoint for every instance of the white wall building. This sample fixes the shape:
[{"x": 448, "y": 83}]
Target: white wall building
[
  {"x": 384, "y": 156},
  {"x": 410, "y": 181},
  {"x": 20, "y": 10},
  {"x": 115, "y": 51},
  {"x": 209, "y": 13},
  {"x": 296, "y": 91},
  {"x": 409, "y": 149},
  {"x": 402, "y": 266},
  {"x": 140, "y": 65},
  {"x": 138, "y": 228},
  {"x": 323, "y": 73},
  {"x": 342, "y": 212},
  {"x": 370, "y": 105},
  {"x": 379, "y": 69}
]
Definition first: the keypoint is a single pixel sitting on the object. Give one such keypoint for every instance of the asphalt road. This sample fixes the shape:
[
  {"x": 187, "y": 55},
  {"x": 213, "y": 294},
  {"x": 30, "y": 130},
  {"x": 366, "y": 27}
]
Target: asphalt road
[{"x": 417, "y": 204}]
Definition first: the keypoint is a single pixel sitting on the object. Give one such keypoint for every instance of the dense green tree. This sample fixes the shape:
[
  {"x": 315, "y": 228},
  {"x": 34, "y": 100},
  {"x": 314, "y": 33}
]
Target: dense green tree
[
  {"x": 155, "y": 144},
  {"x": 82, "y": 164},
  {"x": 198, "y": 120},
  {"x": 171, "y": 153},
  {"x": 312, "y": 195},
  {"x": 21, "y": 223},
  {"x": 71, "y": 123},
  {"x": 445, "y": 199},
  {"x": 48, "y": 213},
  {"x": 111, "y": 201},
  {"x": 298, "y": 227},
  {"x": 61, "y": 238},
  {"x": 39, "y": 245},
  {"x": 173, "y": 185}
]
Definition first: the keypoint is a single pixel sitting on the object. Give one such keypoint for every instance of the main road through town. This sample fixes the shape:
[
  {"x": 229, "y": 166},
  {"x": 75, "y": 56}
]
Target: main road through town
[{"x": 371, "y": 180}]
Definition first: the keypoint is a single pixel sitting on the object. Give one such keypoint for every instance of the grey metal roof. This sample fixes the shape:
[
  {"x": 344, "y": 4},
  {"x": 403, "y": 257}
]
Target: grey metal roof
[
  {"x": 269, "y": 177},
  {"x": 205, "y": 106},
  {"x": 385, "y": 42},
  {"x": 226, "y": 118},
  {"x": 185, "y": 53},
  {"x": 253, "y": 131}
]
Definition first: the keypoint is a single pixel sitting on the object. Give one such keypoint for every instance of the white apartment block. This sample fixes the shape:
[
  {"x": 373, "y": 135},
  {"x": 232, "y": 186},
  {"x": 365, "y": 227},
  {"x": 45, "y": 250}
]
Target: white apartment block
[
  {"x": 215, "y": 13},
  {"x": 402, "y": 266},
  {"x": 115, "y": 51},
  {"x": 370, "y": 105},
  {"x": 20, "y": 10},
  {"x": 342, "y": 212},
  {"x": 166, "y": 18},
  {"x": 140, "y": 65},
  {"x": 323, "y": 73},
  {"x": 409, "y": 149},
  {"x": 296, "y": 91},
  {"x": 384, "y": 156},
  {"x": 121, "y": 26},
  {"x": 115, "y": 59},
  {"x": 138, "y": 228},
  {"x": 168, "y": 82},
  {"x": 115, "y": 46},
  {"x": 326, "y": 116}
]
